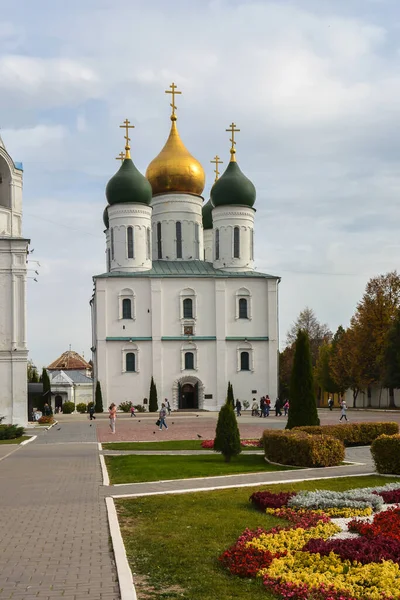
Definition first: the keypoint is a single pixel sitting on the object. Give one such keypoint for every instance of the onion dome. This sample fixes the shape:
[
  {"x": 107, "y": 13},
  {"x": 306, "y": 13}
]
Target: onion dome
[
  {"x": 233, "y": 188},
  {"x": 207, "y": 215},
  {"x": 128, "y": 185},
  {"x": 106, "y": 220}
]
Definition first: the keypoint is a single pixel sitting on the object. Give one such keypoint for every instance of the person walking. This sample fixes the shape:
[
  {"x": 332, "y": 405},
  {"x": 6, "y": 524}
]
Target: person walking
[
  {"x": 344, "y": 409},
  {"x": 254, "y": 408},
  {"x": 278, "y": 408},
  {"x": 162, "y": 416},
  {"x": 112, "y": 414},
  {"x": 262, "y": 402},
  {"x": 133, "y": 411},
  {"x": 267, "y": 406},
  {"x": 286, "y": 408},
  {"x": 91, "y": 413},
  {"x": 238, "y": 408},
  {"x": 168, "y": 406},
  {"x": 330, "y": 403}
]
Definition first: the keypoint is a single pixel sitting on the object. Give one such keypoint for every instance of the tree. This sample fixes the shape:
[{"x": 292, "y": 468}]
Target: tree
[
  {"x": 285, "y": 371},
  {"x": 153, "y": 401},
  {"x": 303, "y": 407},
  {"x": 98, "y": 399},
  {"x": 227, "y": 436},
  {"x": 230, "y": 395},
  {"x": 33, "y": 376},
  {"x": 392, "y": 359},
  {"x": 346, "y": 361},
  {"x": 318, "y": 333},
  {"x": 46, "y": 388},
  {"x": 323, "y": 370}
]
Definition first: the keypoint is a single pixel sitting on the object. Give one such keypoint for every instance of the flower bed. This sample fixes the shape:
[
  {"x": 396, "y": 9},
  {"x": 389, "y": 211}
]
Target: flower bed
[
  {"x": 209, "y": 444},
  {"x": 301, "y": 562}
]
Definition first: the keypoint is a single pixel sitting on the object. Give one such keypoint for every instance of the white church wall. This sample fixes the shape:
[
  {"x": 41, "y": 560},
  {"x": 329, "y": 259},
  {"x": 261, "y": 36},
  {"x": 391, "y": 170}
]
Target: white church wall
[
  {"x": 208, "y": 245},
  {"x": 137, "y": 216},
  {"x": 225, "y": 220},
  {"x": 121, "y": 385}
]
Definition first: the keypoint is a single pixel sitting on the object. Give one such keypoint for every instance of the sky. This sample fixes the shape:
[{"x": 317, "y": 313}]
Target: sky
[{"x": 313, "y": 85}]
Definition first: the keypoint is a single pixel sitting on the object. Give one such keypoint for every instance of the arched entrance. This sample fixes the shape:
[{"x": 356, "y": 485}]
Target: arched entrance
[
  {"x": 58, "y": 403},
  {"x": 187, "y": 394}
]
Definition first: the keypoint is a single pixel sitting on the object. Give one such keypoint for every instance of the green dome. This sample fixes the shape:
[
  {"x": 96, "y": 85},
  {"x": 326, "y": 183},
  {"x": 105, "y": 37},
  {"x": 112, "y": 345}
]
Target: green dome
[
  {"x": 128, "y": 185},
  {"x": 105, "y": 218},
  {"x": 233, "y": 188},
  {"x": 207, "y": 215}
]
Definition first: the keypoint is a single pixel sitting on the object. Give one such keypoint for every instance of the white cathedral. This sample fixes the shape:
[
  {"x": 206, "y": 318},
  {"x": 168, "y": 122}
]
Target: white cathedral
[
  {"x": 180, "y": 300},
  {"x": 13, "y": 258}
]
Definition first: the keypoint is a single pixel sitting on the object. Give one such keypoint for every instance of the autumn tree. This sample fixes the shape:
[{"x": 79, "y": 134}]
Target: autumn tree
[
  {"x": 303, "y": 407},
  {"x": 318, "y": 333},
  {"x": 392, "y": 358},
  {"x": 346, "y": 362},
  {"x": 285, "y": 371},
  {"x": 323, "y": 370}
]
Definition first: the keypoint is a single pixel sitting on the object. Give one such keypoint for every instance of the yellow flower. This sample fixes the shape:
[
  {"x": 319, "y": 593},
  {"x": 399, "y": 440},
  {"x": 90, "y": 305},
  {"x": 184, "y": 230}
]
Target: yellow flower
[{"x": 292, "y": 539}]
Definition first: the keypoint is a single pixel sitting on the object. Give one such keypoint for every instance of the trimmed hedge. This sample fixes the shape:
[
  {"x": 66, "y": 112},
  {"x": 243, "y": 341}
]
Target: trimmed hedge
[
  {"x": 68, "y": 408},
  {"x": 353, "y": 434},
  {"x": 10, "y": 432},
  {"x": 81, "y": 408},
  {"x": 300, "y": 449},
  {"x": 385, "y": 451}
]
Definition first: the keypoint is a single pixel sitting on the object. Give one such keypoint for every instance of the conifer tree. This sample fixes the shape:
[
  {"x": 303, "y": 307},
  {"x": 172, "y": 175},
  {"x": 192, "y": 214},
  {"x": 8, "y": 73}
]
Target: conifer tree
[
  {"x": 46, "y": 389},
  {"x": 98, "y": 404},
  {"x": 227, "y": 436},
  {"x": 303, "y": 407},
  {"x": 230, "y": 395},
  {"x": 153, "y": 401}
]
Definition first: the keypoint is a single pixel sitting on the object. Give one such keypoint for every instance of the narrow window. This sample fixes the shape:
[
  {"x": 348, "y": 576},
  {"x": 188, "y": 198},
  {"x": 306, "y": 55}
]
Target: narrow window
[
  {"x": 236, "y": 242},
  {"x": 148, "y": 248},
  {"x": 178, "y": 228},
  {"x": 243, "y": 308},
  {"x": 244, "y": 361},
  {"x": 126, "y": 308},
  {"x": 217, "y": 244},
  {"x": 188, "y": 308},
  {"x": 189, "y": 360},
  {"x": 108, "y": 260},
  {"x": 130, "y": 362},
  {"x": 159, "y": 241},
  {"x": 251, "y": 244},
  {"x": 129, "y": 234},
  {"x": 196, "y": 240},
  {"x": 112, "y": 243}
]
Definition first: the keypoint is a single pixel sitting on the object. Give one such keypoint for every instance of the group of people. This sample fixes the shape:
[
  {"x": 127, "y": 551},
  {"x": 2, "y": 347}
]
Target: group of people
[
  {"x": 112, "y": 414},
  {"x": 263, "y": 408}
]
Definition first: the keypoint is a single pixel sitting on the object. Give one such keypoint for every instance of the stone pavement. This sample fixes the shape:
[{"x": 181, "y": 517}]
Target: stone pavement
[{"x": 54, "y": 539}]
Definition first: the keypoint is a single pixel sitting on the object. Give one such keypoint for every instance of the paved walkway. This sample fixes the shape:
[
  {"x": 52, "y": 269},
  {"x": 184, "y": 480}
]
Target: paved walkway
[{"x": 54, "y": 539}]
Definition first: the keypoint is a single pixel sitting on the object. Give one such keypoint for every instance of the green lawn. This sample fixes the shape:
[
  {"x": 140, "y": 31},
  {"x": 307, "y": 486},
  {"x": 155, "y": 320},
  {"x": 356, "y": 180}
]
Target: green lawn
[
  {"x": 170, "y": 445},
  {"x": 173, "y": 541},
  {"x": 133, "y": 468},
  {"x": 16, "y": 440}
]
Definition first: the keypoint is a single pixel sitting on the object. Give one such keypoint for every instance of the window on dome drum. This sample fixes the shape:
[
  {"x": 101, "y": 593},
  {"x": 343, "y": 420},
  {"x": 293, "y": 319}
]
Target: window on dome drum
[
  {"x": 243, "y": 308},
  {"x": 108, "y": 260},
  {"x": 148, "y": 246},
  {"x": 236, "y": 242},
  {"x": 244, "y": 361},
  {"x": 189, "y": 360},
  {"x": 129, "y": 239},
  {"x": 217, "y": 244},
  {"x": 196, "y": 240},
  {"x": 159, "y": 241},
  {"x": 178, "y": 228},
  {"x": 130, "y": 362},
  {"x": 112, "y": 243},
  {"x": 251, "y": 244},
  {"x": 188, "y": 308},
  {"x": 126, "y": 308}
]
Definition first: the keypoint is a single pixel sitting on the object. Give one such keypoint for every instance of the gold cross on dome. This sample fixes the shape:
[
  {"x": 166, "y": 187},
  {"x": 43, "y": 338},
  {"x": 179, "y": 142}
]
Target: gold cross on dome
[
  {"x": 217, "y": 161},
  {"x": 233, "y": 130},
  {"x": 173, "y": 91},
  {"x": 121, "y": 156},
  {"x": 127, "y": 126}
]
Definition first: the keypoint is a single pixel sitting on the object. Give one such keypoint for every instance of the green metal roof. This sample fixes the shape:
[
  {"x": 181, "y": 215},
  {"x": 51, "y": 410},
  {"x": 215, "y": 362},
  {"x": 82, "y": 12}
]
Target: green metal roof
[{"x": 186, "y": 268}]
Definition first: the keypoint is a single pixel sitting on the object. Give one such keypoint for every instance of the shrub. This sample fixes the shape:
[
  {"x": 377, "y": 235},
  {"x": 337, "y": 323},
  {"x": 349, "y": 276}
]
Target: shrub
[
  {"x": 385, "y": 451},
  {"x": 10, "y": 432},
  {"x": 301, "y": 449},
  {"x": 303, "y": 407},
  {"x": 227, "y": 436},
  {"x": 81, "y": 407},
  {"x": 140, "y": 408},
  {"x": 125, "y": 406},
  {"x": 68, "y": 408},
  {"x": 246, "y": 404},
  {"x": 263, "y": 500},
  {"x": 46, "y": 420},
  {"x": 153, "y": 404},
  {"x": 353, "y": 434},
  {"x": 98, "y": 397}
]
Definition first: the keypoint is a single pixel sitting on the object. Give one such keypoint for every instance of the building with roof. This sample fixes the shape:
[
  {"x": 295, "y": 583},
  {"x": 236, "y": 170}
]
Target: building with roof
[
  {"x": 70, "y": 379},
  {"x": 180, "y": 300},
  {"x": 13, "y": 273}
]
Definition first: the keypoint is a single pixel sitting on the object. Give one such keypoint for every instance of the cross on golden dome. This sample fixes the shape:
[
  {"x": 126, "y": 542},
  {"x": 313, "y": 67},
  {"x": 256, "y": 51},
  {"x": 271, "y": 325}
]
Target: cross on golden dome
[
  {"x": 121, "y": 156},
  {"x": 173, "y": 91},
  {"x": 127, "y": 126},
  {"x": 217, "y": 161},
  {"x": 233, "y": 130}
]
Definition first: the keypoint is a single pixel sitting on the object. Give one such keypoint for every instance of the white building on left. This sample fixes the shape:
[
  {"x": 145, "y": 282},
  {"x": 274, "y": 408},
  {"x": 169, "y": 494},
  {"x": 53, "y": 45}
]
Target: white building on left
[{"x": 13, "y": 272}]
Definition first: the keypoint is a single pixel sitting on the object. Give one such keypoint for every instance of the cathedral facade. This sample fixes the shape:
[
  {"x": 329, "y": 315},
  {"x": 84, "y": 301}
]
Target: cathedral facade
[
  {"x": 180, "y": 300},
  {"x": 13, "y": 259}
]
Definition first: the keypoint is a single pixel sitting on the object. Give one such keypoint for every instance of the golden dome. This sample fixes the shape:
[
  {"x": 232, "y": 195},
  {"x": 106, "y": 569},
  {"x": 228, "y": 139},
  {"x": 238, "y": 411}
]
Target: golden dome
[{"x": 175, "y": 169}]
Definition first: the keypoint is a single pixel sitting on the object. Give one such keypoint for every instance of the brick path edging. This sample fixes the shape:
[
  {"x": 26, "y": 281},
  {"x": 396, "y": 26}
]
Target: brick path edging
[{"x": 126, "y": 586}]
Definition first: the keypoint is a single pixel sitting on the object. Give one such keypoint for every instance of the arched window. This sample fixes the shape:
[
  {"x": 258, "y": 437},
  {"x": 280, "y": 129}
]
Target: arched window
[
  {"x": 189, "y": 360},
  {"x": 188, "y": 308},
  {"x": 148, "y": 247},
  {"x": 159, "y": 241},
  {"x": 243, "y": 308},
  {"x": 112, "y": 243},
  {"x": 236, "y": 242},
  {"x": 178, "y": 228},
  {"x": 196, "y": 240},
  {"x": 130, "y": 362},
  {"x": 126, "y": 308},
  {"x": 244, "y": 361},
  {"x": 129, "y": 239},
  {"x": 5, "y": 180},
  {"x": 217, "y": 244}
]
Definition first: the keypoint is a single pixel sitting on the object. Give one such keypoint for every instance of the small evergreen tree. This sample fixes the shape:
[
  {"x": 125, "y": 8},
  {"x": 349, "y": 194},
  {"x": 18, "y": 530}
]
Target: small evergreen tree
[
  {"x": 153, "y": 401},
  {"x": 227, "y": 436},
  {"x": 46, "y": 389},
  {"x": 303, "y": 407},
  {"x": 230, "y": 395},
  {"x": 98, "y": 399}
]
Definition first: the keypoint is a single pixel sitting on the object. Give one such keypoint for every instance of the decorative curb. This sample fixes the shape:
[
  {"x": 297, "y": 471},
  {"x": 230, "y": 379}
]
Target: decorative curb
[
  {"x": 125, "y": 580},
  {"x": 31, "y": 438},
  {"x": 106, "y": 479},
  {"x": 100, "y": 447}
]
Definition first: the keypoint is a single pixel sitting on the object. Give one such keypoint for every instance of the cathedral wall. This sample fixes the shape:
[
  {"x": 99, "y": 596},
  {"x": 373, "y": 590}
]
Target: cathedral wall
[
  {"x": 225, "y": 220},
  {"x": 137, "y": 216},
  {"x": 208, "y": 245}
]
